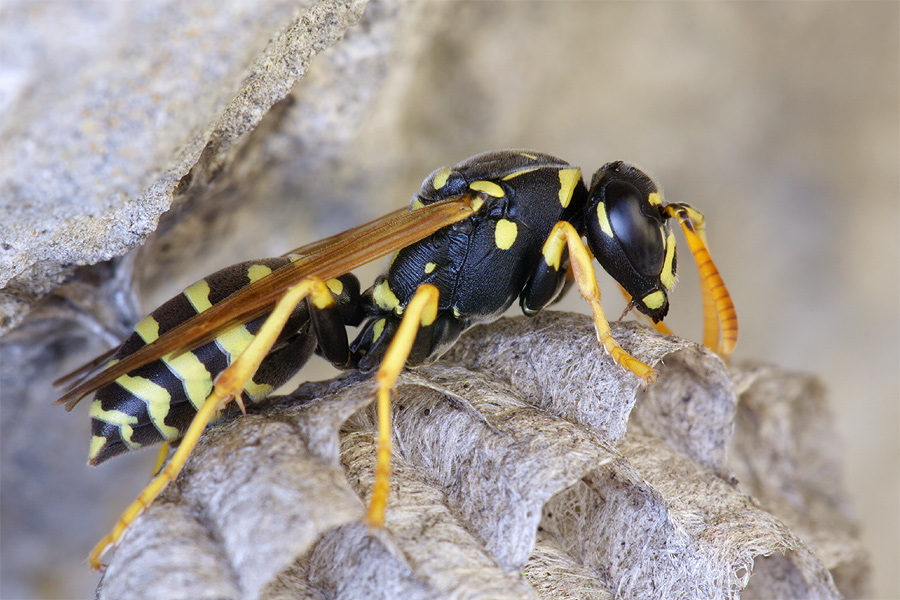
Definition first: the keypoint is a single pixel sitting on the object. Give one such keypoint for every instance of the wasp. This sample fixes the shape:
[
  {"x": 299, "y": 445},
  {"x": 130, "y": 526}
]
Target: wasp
[{"x": 499, "y": 226}]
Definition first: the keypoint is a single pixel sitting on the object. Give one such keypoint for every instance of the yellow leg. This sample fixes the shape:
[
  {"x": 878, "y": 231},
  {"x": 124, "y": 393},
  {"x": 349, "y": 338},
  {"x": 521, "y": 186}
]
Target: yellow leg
[
  {"x": 564, "y": 235},
  {"x": 717, "y": 305},
  {"x": 421, "y": 309},
  {"x": 161, "y": 457},
  {"x": 159, "y": 483},
  {"x": 229, "y": 386}
]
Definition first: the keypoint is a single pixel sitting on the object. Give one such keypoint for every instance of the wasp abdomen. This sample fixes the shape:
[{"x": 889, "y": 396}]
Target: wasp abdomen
[{"x": 157, "y": 401}]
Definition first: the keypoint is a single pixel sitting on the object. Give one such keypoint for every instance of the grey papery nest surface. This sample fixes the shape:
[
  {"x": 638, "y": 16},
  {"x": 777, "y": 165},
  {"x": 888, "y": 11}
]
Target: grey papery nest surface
[{"x": 526, "y": 465}]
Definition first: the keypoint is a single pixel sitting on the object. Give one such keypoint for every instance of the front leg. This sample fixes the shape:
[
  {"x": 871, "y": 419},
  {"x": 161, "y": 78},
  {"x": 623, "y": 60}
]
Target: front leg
[{"x": 563, "y": 236}]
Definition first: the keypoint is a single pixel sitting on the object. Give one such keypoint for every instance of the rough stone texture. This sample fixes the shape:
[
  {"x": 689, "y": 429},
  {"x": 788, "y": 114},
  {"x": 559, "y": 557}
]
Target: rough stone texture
[
  {"x": 779, "y": 121},
  {"x": 511, "y": 463},
  {"x": 115, "y": 147},
  {"x": 112, "y": 115}
]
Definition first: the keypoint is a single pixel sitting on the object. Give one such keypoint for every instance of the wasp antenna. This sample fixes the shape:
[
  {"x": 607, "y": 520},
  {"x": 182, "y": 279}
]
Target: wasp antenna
[{"x": 718, "y": 307}]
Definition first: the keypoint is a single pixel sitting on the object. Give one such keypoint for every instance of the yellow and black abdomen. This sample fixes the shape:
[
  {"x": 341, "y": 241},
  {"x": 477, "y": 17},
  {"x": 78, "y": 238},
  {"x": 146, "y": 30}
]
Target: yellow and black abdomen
[{"x": 157, "y": 402}]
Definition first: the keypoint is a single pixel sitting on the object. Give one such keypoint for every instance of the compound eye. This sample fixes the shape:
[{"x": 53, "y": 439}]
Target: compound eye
[{"x": 640, "y": 236}]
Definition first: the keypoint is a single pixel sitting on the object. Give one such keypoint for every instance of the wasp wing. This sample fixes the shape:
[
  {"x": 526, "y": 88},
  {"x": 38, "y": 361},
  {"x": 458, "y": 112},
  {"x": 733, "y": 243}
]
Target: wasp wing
[
  {"x": 316, "y": 247},
  {"x": 326, "y": 259}
]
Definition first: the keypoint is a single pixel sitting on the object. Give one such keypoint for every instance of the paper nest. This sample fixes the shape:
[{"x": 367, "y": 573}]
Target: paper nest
[{"x": 526, "y": 465}]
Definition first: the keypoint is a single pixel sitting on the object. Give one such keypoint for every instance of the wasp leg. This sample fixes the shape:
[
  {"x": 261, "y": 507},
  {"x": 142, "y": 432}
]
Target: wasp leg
[
  {"x": 421, "y": 312},
  {"x": 717, "y": 305},
  {"x": 161, "y": 457},
  {"x": 564, "y": 236},
  {"x": 546, "y": 285},
  {"x": 229, "y": 386}
]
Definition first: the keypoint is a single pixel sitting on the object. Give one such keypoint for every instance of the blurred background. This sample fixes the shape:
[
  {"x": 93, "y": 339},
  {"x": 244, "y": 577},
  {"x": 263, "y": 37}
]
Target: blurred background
[{"x": 779, "y": 121}]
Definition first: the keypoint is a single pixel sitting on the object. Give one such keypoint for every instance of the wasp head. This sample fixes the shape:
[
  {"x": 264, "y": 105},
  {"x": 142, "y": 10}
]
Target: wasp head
[{"x": 630, "y": 236}]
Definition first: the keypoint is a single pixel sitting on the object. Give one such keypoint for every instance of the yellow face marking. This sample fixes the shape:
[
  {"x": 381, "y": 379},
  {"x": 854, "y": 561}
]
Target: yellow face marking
[
  {"x": 654, "y": 198},
  {"x": 148, "y": 329},
  {"x": 505, "y": 234},
  {"x": 198, "y": 295},
  {"x": 605, "y": 227},
  {"x": 384, "y": 297},
  {"x": 336, "y": 286},
  {"x": 257, "y": 272},
  {"x": 667, "y": 276},
  {"x": 416, "y": 204},
  {"x": 654, "y": 300},
  {"x": 440, "y": 178},
  {"x": 488, "y": 187},
  {"x": 377, "y": 329},
  {"x": 531, "y": 156},
  {"x": 568, "y": 179},
  {"x": 521, "y": 171},
  {"x": 429, "y": 267}
]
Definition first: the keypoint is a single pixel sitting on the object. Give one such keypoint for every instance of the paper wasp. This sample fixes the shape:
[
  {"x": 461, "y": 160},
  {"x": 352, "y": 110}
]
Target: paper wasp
[{"x": 499, "y": 226}]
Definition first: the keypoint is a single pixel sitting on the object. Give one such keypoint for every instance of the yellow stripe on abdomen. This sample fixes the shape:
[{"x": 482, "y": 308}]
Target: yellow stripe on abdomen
[{"x": 158, "y": 401}]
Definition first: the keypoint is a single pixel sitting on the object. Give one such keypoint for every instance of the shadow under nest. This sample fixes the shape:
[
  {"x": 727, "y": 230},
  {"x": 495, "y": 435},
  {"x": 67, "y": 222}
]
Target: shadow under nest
[{"x": 513, "y": 477}]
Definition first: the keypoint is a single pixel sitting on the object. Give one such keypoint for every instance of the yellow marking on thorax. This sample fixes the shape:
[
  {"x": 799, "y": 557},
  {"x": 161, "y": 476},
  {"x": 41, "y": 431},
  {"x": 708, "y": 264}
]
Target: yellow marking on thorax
[
  {"x": 568, "y": 179},
  {"x": 527, "y": 155},
  {"x": 521, "y": 171},
  {"x": 377, "y": 330},
  {"x": 384, "y": 297},
  {"x": 429, "y": 267},
  {"x": 603, "y": 220},
  {"x": 505, "y": 234},
  {"x": 416, "y": 203},
  {"x": 667, "y": 276},
  {"x": 336, "y": 286},
  {"x": 257, "y": 272},
  {"x": 440, "y": 178},
  {"x": 654, "y": 198},
  {"x": 654, "y": 300},
  {"x": 488, "y": 187},
  {"x": 148, "y": 329},
  {"x": 198, "y": 295}
]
